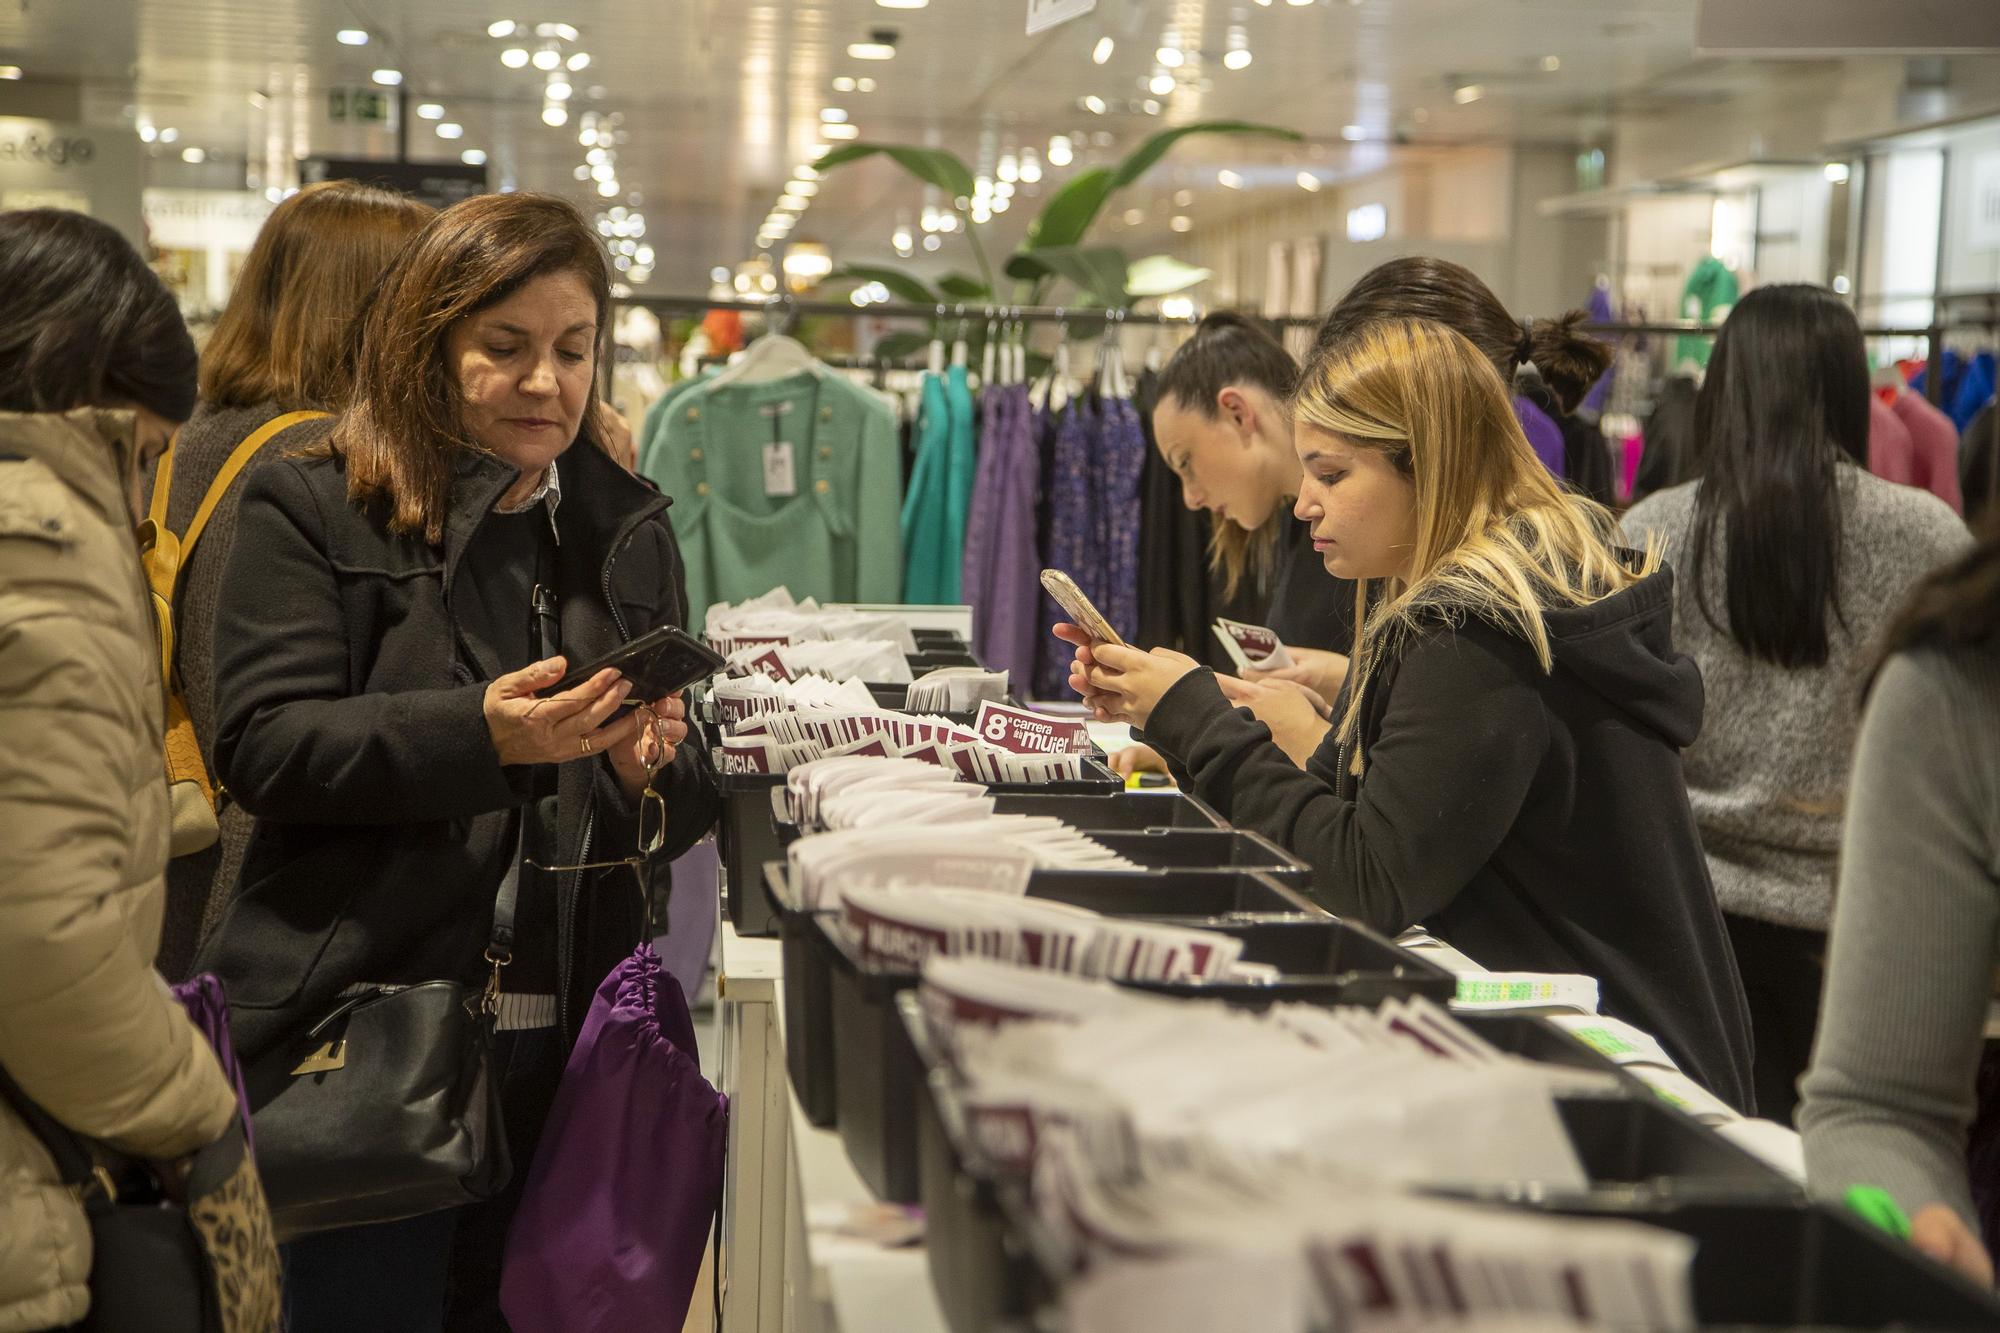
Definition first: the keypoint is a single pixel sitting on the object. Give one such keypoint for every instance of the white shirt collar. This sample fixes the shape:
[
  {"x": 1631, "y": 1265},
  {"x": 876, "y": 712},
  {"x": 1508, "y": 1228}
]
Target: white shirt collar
[{"x": 550, "y": 490}]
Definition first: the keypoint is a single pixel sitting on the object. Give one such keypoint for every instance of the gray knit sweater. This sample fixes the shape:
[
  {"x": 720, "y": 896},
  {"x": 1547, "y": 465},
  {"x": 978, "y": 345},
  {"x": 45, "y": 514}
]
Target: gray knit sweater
[
  {"x": 1768, "y": 775},
  {"x": 1915, "y": 940}
]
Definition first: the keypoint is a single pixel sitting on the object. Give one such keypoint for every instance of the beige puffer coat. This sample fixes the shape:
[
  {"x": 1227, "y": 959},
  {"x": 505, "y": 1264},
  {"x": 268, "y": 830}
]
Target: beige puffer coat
[{"x": 87, "y": 1027}]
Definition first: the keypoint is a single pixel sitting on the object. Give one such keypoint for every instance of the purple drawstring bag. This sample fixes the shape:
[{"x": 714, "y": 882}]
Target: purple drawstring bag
[
  {"x": 616, "y": 1211},
  {"x": 207, "y": 1009}
]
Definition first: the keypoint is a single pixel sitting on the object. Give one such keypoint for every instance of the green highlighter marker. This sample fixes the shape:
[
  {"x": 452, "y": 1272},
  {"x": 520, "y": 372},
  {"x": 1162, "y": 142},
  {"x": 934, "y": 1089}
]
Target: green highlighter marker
[{"x": 1873, "y": 1203}]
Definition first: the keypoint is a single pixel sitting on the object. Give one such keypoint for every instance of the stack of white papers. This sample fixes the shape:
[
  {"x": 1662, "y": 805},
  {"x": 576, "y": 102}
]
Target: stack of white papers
[
  {"x": 879, "y": 660},
  {"x": 956, "y": 690},
  {"x": 776, "y": 619},
  {"x": 1300, "y": 1249},
  {"x": 973, "y": 850},
  {"x": 902, "y": 926},
  {"x": 763, "y": 738},
  {"x": 741, "y": 697}
]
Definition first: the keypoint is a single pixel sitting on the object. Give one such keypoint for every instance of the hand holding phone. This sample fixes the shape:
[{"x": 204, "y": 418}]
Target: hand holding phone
[
  {"x": 1081, "y": 611},
  {"x": 657, "y": 663}
]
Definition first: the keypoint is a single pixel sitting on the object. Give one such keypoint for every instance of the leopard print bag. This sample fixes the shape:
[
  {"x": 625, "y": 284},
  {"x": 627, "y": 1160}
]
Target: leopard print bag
[{"x": 226, "y": 1205}]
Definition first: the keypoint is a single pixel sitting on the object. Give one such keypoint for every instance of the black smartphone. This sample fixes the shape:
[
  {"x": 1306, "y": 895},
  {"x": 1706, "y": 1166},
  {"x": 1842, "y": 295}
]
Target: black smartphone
[{"x": 657, "y": 663}]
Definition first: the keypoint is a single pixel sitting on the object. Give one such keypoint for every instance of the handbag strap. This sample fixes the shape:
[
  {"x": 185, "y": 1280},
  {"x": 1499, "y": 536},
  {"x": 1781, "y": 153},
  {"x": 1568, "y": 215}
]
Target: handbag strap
[
  {"x": 500, "y": 945},
  {"x": 74, "y": 1163}
]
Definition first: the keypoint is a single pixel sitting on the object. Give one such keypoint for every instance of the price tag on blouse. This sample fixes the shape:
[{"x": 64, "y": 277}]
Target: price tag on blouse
[
  {"x": 780, "y": 478},
  {"x": 1024, "y": 732}
]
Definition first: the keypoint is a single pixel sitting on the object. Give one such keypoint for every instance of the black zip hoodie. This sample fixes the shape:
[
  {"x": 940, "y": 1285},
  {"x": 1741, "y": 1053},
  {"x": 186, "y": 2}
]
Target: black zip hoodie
[{"x": 1536, "y": 821}]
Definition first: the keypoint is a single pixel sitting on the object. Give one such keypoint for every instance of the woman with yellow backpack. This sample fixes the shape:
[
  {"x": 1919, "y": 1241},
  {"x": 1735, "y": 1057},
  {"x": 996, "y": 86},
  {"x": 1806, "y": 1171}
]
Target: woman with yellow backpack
[{"x": 277, "y": 364}]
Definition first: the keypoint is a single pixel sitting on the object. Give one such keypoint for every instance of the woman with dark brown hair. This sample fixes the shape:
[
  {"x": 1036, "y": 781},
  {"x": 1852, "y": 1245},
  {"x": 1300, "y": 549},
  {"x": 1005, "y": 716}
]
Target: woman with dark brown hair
[
  {"x": 281, "y": 350},
  {"x": 396, "y": 597}
]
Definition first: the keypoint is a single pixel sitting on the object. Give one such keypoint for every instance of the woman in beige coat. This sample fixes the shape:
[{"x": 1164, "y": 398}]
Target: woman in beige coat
[{"x": 96, "y": 369}]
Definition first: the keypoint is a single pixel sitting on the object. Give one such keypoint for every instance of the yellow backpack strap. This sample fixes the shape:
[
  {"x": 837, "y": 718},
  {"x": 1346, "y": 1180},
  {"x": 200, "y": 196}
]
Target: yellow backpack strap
[{"x": 238, "y": 459}]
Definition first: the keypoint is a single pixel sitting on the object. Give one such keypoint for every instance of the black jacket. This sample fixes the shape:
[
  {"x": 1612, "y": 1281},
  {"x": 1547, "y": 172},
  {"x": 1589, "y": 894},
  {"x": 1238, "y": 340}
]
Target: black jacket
[
  {"x": 1539, "y": 822},
  {"x": 351, "y": 727}
]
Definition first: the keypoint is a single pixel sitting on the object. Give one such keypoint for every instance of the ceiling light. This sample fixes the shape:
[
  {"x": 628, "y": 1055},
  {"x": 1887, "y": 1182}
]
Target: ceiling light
[
  {"x": 1237, "y": 59},
  {"x": 430, "y": 111},
  {"x": 871, "y": 51},
  {"x": 604, "y": 171},
  {"x": 1309, "y": 182},
  {"x": 1837, "y": 172},
  {"x": 1001, "y": 203},
  {"x": 581, "y": 60},
  {"x": 933, "y": 242},
  {"x": 806, "y": 173},
  {"x": 1353, "y": 133},
  {"x": 793, "y": 203},
  {"x": 840, "y": 131},
  {"x": 147, "y": 134},
  {"x": 1170, "y": 56},
  {"x": 450, "y": 129},
  {"x": 981, "y": 214},
  {"x": 582, "y": 173},
  {"x": 1178, "y": 307},
  {"x": 1550, "y": 64},
  {"x": 169, "y": 134},
  {"x": 803, "y": 189},
  {"x": 1228, "y": 180},
  {"x": 388, "y": 78},
  {"x": 514, "y": 57},
  {"x": 502, "y": 28},
  {"x": 473, "y": 157},
  {"x": 1182, "y": 222},
  {"x": 1004, "y": 190},
  {"x": 866, "y": 85},
  {"x": 1009, "y": 169},
  {"x": 559, "y": 89},
  {"x": 555, "y": 114},
  {"x": 1031, "y": 167},
  {"x": 1134, "y": 216},
  {"x": 833, "y": 115},
  {"x": 547, "y": 58},
  {"x": 597, "y": 155},
  {"x": 1182, "y": 198},
  {"x": 607, "y": 189},
  {"x": 193, "y": 156},
  {"x": 1298, "y": 4},
  {"x": 1160, "y": 84},
  {"x": 1150, "y": 107},
  {"x": 560, "y": 30},
  {"x": 1102, "y": 51},
  {"x": 817, "y": 151},
  {"x": 718, "y": 274},
  {"x": 1467, "y": 94},
  {"x": 351, "y": 37},
  {"x": 644, "y": 255},
  {"x": 1060, "y": 152},
  {"x": 1094, "y": 104},
  {"x": 902, "y": 4},
  {"x": 843, "y": 84}
]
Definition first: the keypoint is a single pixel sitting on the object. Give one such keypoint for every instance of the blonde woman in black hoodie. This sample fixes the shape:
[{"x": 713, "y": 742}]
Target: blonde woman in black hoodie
[{"x": 1505, "y": 765}]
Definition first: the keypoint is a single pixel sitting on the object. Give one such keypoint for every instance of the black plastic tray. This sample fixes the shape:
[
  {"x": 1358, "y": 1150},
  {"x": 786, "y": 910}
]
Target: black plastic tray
[
  {"x": 808, "y": 1000},
  {"x": 875, "y": 1088},
  {"x": 1322, "y": 961},
  {"x": 1797, "y": 1264},
  {"x": 749, "y": 834}
]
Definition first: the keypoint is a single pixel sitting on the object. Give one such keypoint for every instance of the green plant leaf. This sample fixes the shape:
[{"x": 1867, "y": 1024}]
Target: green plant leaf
[
  {"x": 1162, "y": 275},
  {"x": 1098, "y": 272},
  {"x": 896, "y": 346},
  {"x": 901, "y": 285},
  {"x": 933, "y": 166},
  {"x": 1147, "y": 155},
  {"x": 963, "y": 287},
  {"x": 1070, "y": 211}
]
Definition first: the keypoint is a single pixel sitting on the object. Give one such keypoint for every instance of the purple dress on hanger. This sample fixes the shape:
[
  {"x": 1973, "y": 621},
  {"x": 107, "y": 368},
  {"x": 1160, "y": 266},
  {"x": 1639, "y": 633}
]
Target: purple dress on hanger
[
  {"x": 1002, "y": 557},
  {"x": 1121, "y": 461},
  {"x": 1542, "y": 433},
  {"x": 1074, "y": 543}
]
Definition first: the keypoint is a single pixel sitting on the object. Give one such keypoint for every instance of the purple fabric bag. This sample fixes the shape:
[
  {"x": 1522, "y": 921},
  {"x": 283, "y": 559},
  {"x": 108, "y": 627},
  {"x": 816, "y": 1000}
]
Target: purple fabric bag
[
  {"x": 208, "y": 1010},
  {"x": 617, "y": 1207}
]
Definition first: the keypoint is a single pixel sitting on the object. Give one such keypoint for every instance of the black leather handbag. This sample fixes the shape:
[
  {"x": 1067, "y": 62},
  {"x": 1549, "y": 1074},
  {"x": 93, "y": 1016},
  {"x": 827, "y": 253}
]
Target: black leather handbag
[
  {"x": 148, "y": 1271},
  {"x": 388, "y": 1107}
]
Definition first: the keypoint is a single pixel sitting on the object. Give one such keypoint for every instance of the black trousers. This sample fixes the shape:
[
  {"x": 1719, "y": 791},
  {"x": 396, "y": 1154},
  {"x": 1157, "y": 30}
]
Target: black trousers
[
  {"x": 1784, "y": 969},
  {"x": 435, "y": 1274}
]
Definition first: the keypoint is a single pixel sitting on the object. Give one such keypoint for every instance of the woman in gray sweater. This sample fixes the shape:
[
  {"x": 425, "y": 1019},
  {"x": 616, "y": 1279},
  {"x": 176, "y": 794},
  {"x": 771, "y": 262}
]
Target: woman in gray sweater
[
  {"x": 1916, "y": 936},
  {"x": 1792, "y": 559}
]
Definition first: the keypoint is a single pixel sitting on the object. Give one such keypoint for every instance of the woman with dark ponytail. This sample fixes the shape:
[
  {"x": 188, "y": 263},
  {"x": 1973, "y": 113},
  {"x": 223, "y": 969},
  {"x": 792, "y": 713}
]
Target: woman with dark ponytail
[
  {"x": 1793, "y": 560},
  {"x": 1566, "y": 361}
]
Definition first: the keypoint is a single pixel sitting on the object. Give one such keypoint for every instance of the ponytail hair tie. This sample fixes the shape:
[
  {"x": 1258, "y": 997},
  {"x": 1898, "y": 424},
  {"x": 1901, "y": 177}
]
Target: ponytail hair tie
[{"x": 1525, "y": 352}]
